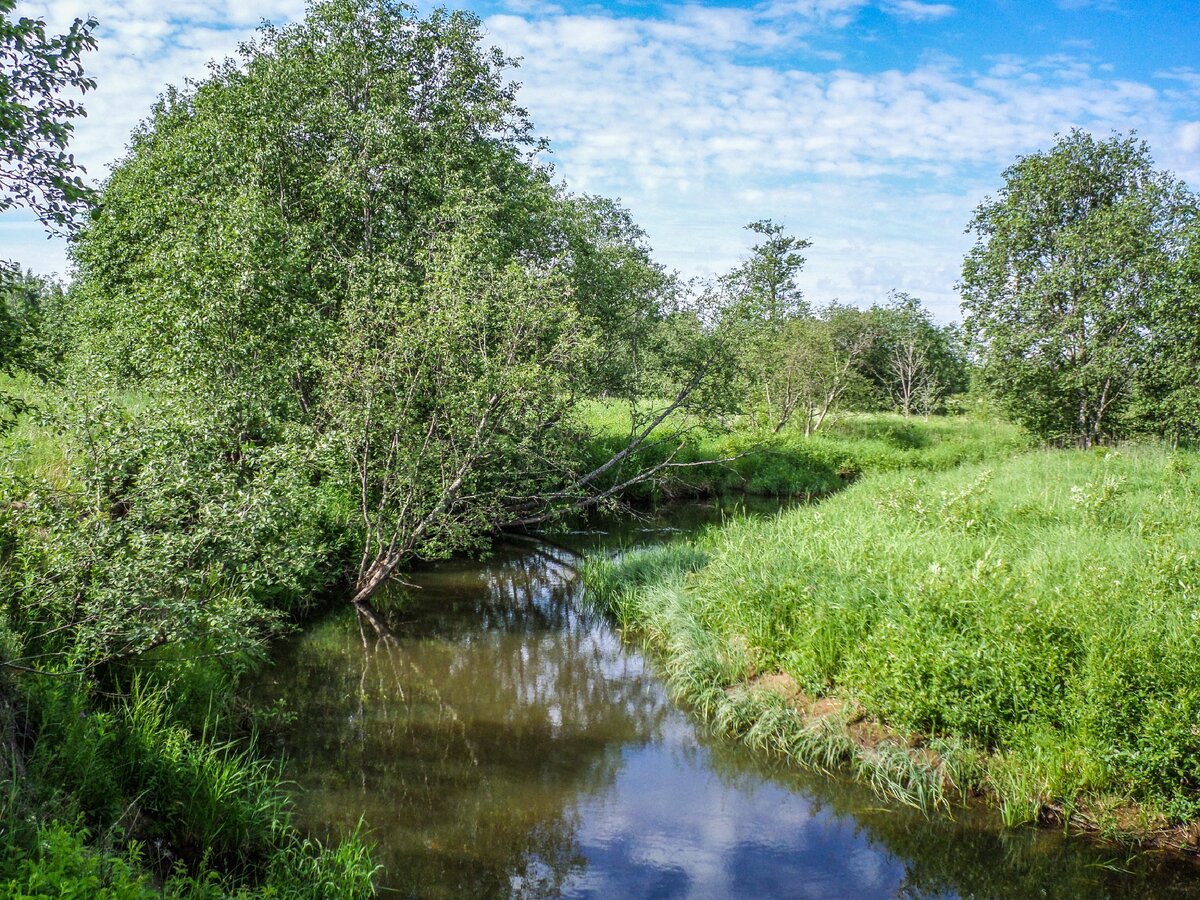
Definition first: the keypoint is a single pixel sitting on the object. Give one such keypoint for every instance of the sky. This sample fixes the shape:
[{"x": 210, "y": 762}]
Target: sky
[{"x": 872, "y": 128}]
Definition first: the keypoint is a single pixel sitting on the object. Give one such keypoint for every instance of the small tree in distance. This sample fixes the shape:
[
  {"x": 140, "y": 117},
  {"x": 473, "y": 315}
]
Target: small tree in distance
[{"x": 913, "y": 360}]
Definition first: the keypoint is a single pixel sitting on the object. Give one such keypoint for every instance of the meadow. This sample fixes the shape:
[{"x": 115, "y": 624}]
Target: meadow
[{"x": 789, "y": 463}]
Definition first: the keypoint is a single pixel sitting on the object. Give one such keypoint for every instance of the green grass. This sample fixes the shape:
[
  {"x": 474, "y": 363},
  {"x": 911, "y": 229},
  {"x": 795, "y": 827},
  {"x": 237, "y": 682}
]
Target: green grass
[
  {"x": 1029, "y": 628},
  {"x": 116, "y": 795},
  {"x": 791, "y": 464}
]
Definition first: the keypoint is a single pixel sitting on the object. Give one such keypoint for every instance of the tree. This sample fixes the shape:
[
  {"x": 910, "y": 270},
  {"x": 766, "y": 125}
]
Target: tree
[
  {"x": 1069, "y": 262},
  {"x": 766, "y": 282},
  {"x": 36, "y": 120},
  {"x": 913, "y": 360},
  {"x": 158, "y": 529},
  {"x": 767, "y": 302},
  {"x": 346, "y": 240},
  {"x": 450, "y": 398},
  {"x": 822, "y": 358}
]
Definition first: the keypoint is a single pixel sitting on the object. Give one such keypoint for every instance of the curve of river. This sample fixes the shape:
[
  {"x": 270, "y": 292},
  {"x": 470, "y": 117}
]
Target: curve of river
[{"x": 505, "y": 741}]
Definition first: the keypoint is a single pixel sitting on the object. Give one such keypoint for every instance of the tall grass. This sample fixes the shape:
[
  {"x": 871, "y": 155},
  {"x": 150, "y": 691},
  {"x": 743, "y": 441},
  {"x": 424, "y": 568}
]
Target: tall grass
[
  {"x": 114, "y": 792},
  {"x": 1029, "y": 629}
]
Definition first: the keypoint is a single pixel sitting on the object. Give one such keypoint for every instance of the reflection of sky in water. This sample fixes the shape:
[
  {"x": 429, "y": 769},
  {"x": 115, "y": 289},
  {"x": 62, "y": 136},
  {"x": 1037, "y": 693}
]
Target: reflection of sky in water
[
  {"x": 505, "y": 741},
  {"x": 670, "y": 827}
]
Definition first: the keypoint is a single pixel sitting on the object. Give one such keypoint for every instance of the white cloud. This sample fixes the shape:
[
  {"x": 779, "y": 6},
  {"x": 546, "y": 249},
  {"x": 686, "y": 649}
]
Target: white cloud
[
  {"x": 710, "y": 117},
  {"x": 918, "y": 11},
  {"x": 1189, "y": 138}
]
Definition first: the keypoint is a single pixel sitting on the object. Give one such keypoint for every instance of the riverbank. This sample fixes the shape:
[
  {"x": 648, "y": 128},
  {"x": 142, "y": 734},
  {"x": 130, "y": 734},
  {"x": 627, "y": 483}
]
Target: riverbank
[
  {"x": 137, "y": 768},
  {"x": 132, "y": 766},
  {"x": 1026, "y": 631},
  {"x": 790, "y": 463}
]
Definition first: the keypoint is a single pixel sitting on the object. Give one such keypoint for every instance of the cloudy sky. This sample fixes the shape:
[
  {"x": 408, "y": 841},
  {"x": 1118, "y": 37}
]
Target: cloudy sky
[{"x": 871, "y": 127}]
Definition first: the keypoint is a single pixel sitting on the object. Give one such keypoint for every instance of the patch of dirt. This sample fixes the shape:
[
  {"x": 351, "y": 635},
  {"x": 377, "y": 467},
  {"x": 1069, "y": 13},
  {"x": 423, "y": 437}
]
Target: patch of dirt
[
  {"x": 779, "y": 683},
  {"x": 827, "y": 707},
  {"x": 867, "y": 735}
]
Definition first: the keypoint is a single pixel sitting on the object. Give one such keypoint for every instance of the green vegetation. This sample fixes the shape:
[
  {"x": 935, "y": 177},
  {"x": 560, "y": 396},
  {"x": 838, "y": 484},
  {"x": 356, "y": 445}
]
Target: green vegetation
[
  {"x": 1078, "y": 290},
  {"x": 793, "y": 364},
  {"x": 1026, "y": 628},
  {"x": 789, "y": 463},
  {"x": 332, "y": 315}
]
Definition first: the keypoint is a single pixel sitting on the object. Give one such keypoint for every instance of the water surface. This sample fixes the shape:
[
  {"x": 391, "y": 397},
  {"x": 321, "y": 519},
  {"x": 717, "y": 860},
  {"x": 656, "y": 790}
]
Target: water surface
[{"x": 501, "y": 740}]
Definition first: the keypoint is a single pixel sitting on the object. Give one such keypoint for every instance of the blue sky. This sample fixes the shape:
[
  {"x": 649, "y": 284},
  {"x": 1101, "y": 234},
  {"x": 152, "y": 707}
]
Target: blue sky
[{"x": 872, "y": 127}]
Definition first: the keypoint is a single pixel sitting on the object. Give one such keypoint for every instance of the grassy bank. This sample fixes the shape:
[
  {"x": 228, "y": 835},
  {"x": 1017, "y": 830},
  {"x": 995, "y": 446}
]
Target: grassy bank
[
  {"x": 791, "y": 464},
  {"x": 130, "y": 767},
  {"x": 1027, "y": 630},
  {"x": 127, "y": 799}
]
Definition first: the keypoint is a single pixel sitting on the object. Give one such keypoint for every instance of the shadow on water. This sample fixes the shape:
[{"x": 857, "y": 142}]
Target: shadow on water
[{"x": 502, "y": 741}]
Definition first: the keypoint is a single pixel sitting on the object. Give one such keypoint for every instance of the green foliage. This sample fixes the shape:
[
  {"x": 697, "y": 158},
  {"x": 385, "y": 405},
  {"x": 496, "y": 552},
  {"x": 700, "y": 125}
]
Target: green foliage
[
  {"x": 35, "y": 120},
  {"x": 149, "y": 794},
  {"x": 1039, "y": 615},
  {"x": 61, "y": 864},
  {"x": 447, "y": 399},
  {"x": 787, "y": 359},
  {"x": 813, "y": 367},
  {"x": 916, "y": 363},
  {"x": 627, "y": 303},
  {"x": 1074, "y": 264},
  {"x": 264, "y": 208},
  {"x": 163, "y": 531},
  {"x": 796, "y": 364},
  {"x": 1167, "y": 401},
  {"x": 766, "y": 282},
  {"x": 356, "y": 206},
  {"x": 31, "y": 310}
]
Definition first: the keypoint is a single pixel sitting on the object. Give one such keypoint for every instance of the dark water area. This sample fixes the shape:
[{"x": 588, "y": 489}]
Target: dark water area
[{"x": 503, "y": 740}]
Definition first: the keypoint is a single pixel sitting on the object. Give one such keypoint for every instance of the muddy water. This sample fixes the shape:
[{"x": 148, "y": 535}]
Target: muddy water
[{"x": 504, "y": 741}]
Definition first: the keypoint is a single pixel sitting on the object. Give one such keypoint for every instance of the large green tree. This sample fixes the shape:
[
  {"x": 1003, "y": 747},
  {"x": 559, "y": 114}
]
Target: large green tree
[
  {"x": 1071, "y": 259},
  {"x": 345, "y": 239}
]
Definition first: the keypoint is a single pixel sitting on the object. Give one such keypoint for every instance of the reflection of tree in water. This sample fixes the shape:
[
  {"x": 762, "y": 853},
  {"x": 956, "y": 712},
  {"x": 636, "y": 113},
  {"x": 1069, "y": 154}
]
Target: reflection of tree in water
[
  {"x": 466, "y": 746},
  {"x": 971, "y": 855},
  {"x": 471, "y": 737}
]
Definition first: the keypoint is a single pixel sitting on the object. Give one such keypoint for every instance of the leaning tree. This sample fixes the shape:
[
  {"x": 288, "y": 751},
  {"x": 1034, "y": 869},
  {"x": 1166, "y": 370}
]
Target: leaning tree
[{"x": 346, "y": 239}]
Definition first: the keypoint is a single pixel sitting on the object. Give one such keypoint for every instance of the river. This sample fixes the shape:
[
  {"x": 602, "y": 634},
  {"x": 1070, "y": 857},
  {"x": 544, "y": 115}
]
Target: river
[{"x": 503, "y": 740}]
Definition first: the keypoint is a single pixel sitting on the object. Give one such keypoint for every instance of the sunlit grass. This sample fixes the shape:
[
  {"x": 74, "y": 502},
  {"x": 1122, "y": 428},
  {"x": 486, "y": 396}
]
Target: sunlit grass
[
  {"x": 790, "y": 463},
  {"x": 1037, "y": 616}
]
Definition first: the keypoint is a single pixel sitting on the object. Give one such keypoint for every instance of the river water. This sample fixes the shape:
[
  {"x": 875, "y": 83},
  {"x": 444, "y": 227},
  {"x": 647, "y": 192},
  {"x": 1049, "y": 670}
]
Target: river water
[{"x": 502, "y": 740}]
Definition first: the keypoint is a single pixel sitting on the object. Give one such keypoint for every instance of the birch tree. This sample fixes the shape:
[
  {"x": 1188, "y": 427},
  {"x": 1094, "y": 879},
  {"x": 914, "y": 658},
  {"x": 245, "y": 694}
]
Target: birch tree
[{"x": 1070, "y": 259}]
